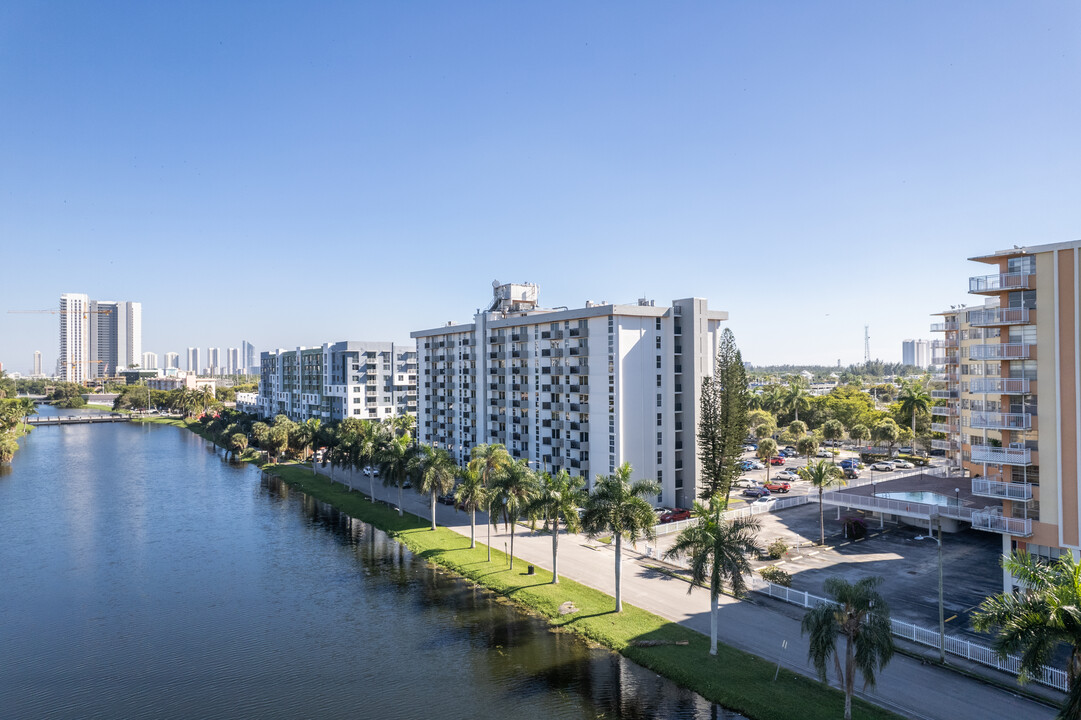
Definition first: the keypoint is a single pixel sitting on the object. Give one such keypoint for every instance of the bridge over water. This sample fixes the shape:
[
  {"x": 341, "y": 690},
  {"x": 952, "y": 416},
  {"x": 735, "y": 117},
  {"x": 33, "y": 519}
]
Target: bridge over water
[{"x": 76, "y": 419}]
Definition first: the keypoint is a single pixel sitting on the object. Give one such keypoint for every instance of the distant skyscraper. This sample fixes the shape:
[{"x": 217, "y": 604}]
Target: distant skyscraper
[
  {"x": 213, "y": 361},
  {"x": 172, "y": 360},
  {"x": 37, "y": 362},
  {"x": 916, "y": 353},
  {"x": 193, "y": 360},
  {"x": 232, "y": 361},
  {"x": 150, "y": 361},
  {"x": 74, "y": 337},
  {"x": 247, "y": 358},
  {"x": 116, "y": 336}
]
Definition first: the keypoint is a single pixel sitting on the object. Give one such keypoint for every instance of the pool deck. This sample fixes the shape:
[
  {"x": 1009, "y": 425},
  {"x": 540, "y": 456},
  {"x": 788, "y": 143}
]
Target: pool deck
[{"x": 926, "y": 483}]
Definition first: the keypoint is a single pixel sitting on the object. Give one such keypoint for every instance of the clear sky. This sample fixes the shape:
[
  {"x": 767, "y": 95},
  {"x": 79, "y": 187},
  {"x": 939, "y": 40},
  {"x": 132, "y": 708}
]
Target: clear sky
[{"x": 294, "y": 173}]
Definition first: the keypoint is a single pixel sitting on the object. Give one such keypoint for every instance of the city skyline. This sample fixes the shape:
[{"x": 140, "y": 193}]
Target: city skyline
[{"x": 808, "y": 170}]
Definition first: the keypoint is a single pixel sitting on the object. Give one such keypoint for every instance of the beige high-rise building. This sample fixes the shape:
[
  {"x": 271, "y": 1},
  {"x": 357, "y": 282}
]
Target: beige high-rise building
[{"x": 1013, "y": 419}]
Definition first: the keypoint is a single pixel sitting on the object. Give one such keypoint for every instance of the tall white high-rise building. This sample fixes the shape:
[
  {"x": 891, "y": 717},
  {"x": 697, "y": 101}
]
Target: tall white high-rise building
[
  {"x": 73, "y": 363},
  {"x": 213, "y": 361},
  {"x": 150, "y": 361},
  {"x": 171, "y": 360},
  {"x": 37, "y": 363},
  {"x": 232, "y": 361},
  {"x": 247, "y": 359},
  {"x": 116, "y": 336},
  {"x": 581, "y": 389},
  {"x": 193, "y": 360},
  {"x": 916, "y": 353}
]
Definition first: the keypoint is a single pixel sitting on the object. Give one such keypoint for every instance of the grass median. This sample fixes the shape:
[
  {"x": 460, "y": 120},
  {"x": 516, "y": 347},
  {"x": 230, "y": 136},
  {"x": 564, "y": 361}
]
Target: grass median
[{"x": 735, "y": 679}]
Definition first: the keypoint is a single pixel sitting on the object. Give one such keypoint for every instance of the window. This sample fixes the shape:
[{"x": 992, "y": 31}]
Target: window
[
  {"x": 658, "y": 381},
  {"x": 658, "y": 399},
  {"x": 658, "y": 325},
  {"x": 660, "y": 457},
  {"x": 659, "y": 416},
  {"x": 659, "y": 440},
  {"x": 658, "y": 362},
  {"x": 658, "y": 342}
]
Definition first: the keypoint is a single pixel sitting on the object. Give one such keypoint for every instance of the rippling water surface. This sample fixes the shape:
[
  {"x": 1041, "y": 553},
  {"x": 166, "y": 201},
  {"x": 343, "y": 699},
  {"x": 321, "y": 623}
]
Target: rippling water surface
[{"x": 143, "y": 577}]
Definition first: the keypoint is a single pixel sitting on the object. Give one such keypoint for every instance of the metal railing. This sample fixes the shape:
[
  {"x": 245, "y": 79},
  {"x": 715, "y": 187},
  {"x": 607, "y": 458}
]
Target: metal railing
[
  {"x": 998, "y": 489},
  {"x": 944, "y": 394},
  {"x": 1005, "y": 386},
  {"x": 998, "y": 316},
  {"x": 1002, "y": 281},
  {"x": 1000, "y": 351},
  {"x": 754, "y": 508},
  {"x": 993, "y": 522},
  {"x": 1003, "y": 421},
  {"x": 943, "y": 445},
  {"x": 945, "y": 326},
  {"x": 945, "y": 427},
  {"x": 908, "y": 508},
  {"x": 982, "y": 654},
  {"x": 1001, "y": 455},
  {"x": 944, "y": 410}
]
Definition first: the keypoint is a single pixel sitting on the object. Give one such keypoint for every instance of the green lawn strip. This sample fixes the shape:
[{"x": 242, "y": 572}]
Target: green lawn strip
[{"x": 735, "y": 679}]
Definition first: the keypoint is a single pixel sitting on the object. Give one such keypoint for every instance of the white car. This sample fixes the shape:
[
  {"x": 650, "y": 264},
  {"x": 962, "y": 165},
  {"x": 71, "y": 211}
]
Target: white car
[
  {"x": 757, "y": 465},
  {"x": 824, "y": 454},
  {"x": 765, "y": 500},
  {"x": 786, "y": 474},
  {"x": 369, "y": 470},
  {"x": 905, "y": 464},
  {"x": 883, "y": 466}
]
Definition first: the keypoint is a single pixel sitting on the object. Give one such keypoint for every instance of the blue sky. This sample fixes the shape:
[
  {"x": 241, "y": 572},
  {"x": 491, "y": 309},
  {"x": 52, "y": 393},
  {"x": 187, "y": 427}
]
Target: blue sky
[{"x": 293, "y": 173}]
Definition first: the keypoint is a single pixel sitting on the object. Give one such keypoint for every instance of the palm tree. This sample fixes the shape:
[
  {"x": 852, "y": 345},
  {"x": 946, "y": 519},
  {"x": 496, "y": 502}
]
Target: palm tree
[
  {"x": 618, "y": 506},
  {"x": 238, "y": 443},
  {"x": 822, "y": 475},
  {"x": 859, "y": 432},
  {"x": 397, "y": 463},
  {"x": 1036, "y": 621},
  {"x": 718, "y": 550},
  {"x": 914, "y": 399},
  {"x": 489, "y": 461},
  {"x": 767, "y": 448},
  {"x": 513, "y": 491},
  {"x": 558, "y": 497},
  {"x": 887, "y": 432},
  {"x": 773, "y": 398},
  {"x": 437, "y": 471},
  {"x": 796, "y": 397},
  {"x": 471, "y": 495},
  {"x": 807, "y": 446},
  {"x": 859, "y": 614}
]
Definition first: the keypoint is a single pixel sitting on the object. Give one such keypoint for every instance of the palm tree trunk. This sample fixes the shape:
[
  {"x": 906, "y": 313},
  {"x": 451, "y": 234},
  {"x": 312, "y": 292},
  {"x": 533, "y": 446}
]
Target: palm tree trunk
[
  {"x": 433, "y": 510},
  {"x": 488, "y": 517},
  {"x": 371, "y": 486},
  {"x": 849, "y": 679},
  {"x": 713, "y": 605},
  {"x": 555, "y": 549},
  {"x": 400, "y": 513},
  {"x": 472, "y": 529},
  {"x": 821, "y": 518},
  {"x": 619, "y": 571}
]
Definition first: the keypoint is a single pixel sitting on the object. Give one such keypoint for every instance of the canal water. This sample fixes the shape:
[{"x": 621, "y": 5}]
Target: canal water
[{"x": 142, "y": 576}]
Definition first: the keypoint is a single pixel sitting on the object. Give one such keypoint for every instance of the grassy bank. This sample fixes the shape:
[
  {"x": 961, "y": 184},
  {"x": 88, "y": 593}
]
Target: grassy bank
[{"x": 735, "y": 679}]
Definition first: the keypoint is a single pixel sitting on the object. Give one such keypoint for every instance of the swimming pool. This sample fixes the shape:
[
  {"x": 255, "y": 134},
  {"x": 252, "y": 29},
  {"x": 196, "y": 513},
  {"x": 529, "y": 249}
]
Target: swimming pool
[{"x": 927, "y": 498}]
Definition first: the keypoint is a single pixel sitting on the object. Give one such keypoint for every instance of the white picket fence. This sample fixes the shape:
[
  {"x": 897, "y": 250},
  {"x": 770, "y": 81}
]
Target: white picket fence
[{"x": 1052, "y": 677}]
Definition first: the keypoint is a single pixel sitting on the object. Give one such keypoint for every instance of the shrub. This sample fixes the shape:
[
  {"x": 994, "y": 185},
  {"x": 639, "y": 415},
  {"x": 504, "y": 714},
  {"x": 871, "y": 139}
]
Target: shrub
[
  {"x": 776, "y": 575},
  {"x": 777, "y": 549},
  {"x": 855, "y": 527}
]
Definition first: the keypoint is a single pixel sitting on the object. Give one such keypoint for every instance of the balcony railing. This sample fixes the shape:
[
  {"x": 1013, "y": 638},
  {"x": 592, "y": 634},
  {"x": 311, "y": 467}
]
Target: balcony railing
[
  {"x": 945, "y": 326},
  {"x": 998, "y": 316},
  {"x": 945, "y": 427},
  {"x": 1001, "y": 455},
  {"x": 1000, "y": 351},
  {"x": 1003, "y": 490},
  {"x": 943, "y": 445},
  {"x": 1000, "y": 421},
  {"x": 944, "y": 394},
  {"x": 1003, "y": 386},
  {"x": 991, "y": 522},
  {"x": 1003, "y": 281},
  {"x": 944, "y": 410}
]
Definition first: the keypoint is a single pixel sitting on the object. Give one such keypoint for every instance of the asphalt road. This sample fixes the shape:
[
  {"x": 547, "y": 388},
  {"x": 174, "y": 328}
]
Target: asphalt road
[{"x": 907, "y": 686}]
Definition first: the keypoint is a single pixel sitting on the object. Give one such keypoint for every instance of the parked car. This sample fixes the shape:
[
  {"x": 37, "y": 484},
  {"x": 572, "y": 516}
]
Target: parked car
[
  {"x": 776, "y": 460},
  {"x": 765, "y": 500},
  {"x": 750, "y": 447},
  {"x": 369, "y": 470},
  {"x": 851, "y": 473},
  {"x": 824, "y": 454},
  {"x": 902, "y": 464},
  {"x": 756, "y": 465},
  {"x": 789, "y": 452},
  {"x": 677, "y": 514},
  {"x": 746, "y": 465},
  {"x": 790, "y": 448},
  {"x": 745, "y": 483},
  {"x": 906, "y": 450},
  {"x": 938, "y": 452},
  {"x": 849, "y": 463},
  {"x": 882, "y": 465},
  {"x": 777, "y": 486},
  {"x": 447, "y": 499},
  {"x": 755, "y": 492},
  {"x": 787, "y": 474}
]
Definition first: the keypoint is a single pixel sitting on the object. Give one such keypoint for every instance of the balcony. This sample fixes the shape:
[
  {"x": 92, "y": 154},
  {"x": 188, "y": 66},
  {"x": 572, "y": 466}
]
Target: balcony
[
  {"x": 944, "y": 410},
  {"x": 945, "y": 326},
  {"x": 1000, "y": 351},
  {"x": 1003, "y": 281},
  {"x": 993, "y": 522},
  {"x": 1000, "y": 421},
  {"x": 945, "y": 427},
  {"x": 999, "y": 386},
  {"x": 998, "y": 316},
  {"x": 943, "y": 445},
  {"x": 944, "y": 394},
  {"x": 1001, "y": 455},
  {"x": 1003, "y": 490}
]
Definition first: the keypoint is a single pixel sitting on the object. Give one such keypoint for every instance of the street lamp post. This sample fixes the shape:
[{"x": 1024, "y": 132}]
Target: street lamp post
[
  {"x": 957, "y": 497},
  {"x": 941, "y": 611}
]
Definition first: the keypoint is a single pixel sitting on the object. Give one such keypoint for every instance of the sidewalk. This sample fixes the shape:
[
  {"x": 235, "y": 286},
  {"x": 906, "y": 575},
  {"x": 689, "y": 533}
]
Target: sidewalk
[{"x": 906, "y": 686}]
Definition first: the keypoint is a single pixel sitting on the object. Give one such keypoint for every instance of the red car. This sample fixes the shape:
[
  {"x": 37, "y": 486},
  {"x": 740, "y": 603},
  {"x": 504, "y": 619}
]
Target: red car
[
  {"x": 677, "y": 514},
  {"x": 776, "y": 460},
  {"x": 777, "y": 486}
]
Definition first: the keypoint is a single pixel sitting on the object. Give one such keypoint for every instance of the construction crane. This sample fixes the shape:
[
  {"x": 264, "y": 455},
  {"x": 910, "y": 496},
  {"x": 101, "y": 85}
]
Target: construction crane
[
  {"x": 86, "y": 313},
  {"x": 86, "y": 380}
]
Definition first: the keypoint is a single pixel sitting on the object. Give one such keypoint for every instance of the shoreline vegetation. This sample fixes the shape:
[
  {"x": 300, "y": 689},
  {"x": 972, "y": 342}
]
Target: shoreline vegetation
[{"x": 739, "y": 681}]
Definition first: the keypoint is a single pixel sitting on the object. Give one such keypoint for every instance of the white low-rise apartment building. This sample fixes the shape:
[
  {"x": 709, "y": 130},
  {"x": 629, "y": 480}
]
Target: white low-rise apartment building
[
  {"x": 363, "y": 380},
  {"x": 582, "y": 390}
]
